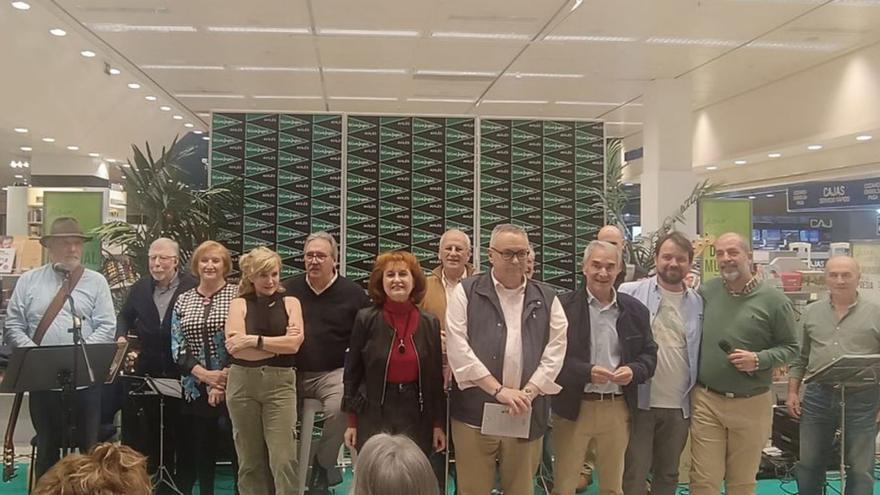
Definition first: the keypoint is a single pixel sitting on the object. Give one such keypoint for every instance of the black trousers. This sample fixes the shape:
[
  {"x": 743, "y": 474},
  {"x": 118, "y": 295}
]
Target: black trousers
[
  {"x": 48, "y": 416},
  {"x": 400, "y": 415},
  {"x": 205, "y": 441}
]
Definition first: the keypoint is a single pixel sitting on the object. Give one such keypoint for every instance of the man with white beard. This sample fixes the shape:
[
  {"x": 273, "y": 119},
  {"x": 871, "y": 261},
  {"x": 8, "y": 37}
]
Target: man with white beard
[{"x": 748, "y": 329}]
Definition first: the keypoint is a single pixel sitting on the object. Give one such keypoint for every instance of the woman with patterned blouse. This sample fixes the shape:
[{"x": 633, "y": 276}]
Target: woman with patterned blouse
[
  {"x": 263, "y": 332},
  {"x": 198, "y": 346}
]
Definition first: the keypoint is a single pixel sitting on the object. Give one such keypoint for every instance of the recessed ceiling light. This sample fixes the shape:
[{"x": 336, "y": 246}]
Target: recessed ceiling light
[
  {"x": 441, "y": 100},
  {"x": 26, "y": 148},
  {"x": 286, "y": 97},
  {"x": 182, "y": 67},
  {"x": 57, "y": 32},
  {"x": 126, "y": 165},
  {"x": 769, "y": 195},
  {"x": 814, "y": 147},
  {"x": 114, "y": 71},
  {"x": 150, "y": 98},
  {"x": 595, "y": 39},
  {"x": 87, "y": 53},
  {"x": 517, "y": 102},
  {"x": 209, "y": 95},
  {"x": 134, "y": 86},
  {"x": 198, "y": 131},
  {"x": 109, "y": 27},
  {"x": 165, "y": 108},
  {"x": 344, "y": 70},
  {"x": 739, "y": 162},
  {"x": 21, "y": 130},
  {"x": 369, "y": 32},
  {"x": 480, "y": 36},
  {"x": 189, "y": 125},
  {"x": 73, "y": 147},
  {"x": 110, "y": 160},
  {"x": 864, "y": 137},
  {"x": 713, "y": 167},
  {"x": 21, "y": 5},
  {"x": 94, "y": 155},
  {"x": 465, "y": 73},
  {"x": 363, "y": 98},
  {"x": 206, "y": 138},
  {"x": 547, "y": 75},
  {"x": 177, "y": 117},
  {"x": 774, "y": 155},
  {"x": 254, "y": 68},
  {"x": 258, "y": 29},
  {"x": 751, "y": 197},
  {"x": 588, "y": 103},
  {"x": 19, "y": 176},
  {"x": 48, "y": 140}
]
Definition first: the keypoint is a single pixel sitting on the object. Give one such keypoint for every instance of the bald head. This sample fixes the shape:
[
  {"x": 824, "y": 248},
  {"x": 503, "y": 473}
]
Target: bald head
[{"x": 612, "y": 235}]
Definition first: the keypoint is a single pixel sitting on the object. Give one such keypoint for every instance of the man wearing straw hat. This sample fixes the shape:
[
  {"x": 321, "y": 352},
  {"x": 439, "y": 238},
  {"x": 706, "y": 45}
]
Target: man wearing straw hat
[{"x": 30, "y": 322}]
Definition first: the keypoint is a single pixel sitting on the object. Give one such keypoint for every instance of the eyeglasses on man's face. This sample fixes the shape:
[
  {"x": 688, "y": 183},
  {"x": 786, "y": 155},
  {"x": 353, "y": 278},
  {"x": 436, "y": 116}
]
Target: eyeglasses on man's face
[
  {"x": 509, "y": 255},
  {"x": 164, "y": 258},
  {"x": 319, "y": 257}
]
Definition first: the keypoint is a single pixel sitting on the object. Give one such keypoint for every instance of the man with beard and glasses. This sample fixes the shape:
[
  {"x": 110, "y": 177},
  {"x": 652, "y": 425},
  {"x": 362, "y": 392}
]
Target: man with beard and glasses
[
  {"x": 659, "y": 425},
  {"x": 748, "y": 329}
]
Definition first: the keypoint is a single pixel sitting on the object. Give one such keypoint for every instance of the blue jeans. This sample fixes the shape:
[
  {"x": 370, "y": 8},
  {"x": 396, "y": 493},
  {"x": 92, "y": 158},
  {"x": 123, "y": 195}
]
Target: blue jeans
[{"x": 820, "y": 418}]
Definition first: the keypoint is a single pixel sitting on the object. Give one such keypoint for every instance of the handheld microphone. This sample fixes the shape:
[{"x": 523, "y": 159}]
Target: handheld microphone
[{"x": 725, "y": 346}]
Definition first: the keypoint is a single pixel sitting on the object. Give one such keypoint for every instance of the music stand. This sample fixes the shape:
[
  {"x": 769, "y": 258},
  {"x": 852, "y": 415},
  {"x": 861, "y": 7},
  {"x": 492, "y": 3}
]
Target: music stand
[
  {"x": 52, "y": 367},
  {"x": 847, "y": 371},
  {"x": 162, "y": 387}
]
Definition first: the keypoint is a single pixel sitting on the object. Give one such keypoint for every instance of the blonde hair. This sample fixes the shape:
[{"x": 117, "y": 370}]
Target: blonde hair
[
  {"x": 208, "y": 247},
  {"x": 107, "y": 469},
  {"x": 258, "y": 261}
]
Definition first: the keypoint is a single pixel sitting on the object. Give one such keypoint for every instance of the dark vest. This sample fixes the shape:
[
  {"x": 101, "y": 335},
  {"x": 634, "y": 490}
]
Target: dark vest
[{"x": 487, "y": 336}]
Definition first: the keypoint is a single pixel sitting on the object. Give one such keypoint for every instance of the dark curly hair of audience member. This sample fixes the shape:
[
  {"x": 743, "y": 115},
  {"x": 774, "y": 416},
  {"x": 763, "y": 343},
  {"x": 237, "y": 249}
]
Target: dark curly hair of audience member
[{"x": 107, "y": 469}]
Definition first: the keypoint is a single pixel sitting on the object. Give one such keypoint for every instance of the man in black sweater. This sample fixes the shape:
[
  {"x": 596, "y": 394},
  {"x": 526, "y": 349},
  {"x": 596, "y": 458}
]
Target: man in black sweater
[{"x": 329, "y": 305}]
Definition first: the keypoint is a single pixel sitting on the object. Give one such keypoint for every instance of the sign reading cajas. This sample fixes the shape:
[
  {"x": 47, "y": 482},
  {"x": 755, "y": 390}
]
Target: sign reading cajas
[{"x": 850, "y": 194}]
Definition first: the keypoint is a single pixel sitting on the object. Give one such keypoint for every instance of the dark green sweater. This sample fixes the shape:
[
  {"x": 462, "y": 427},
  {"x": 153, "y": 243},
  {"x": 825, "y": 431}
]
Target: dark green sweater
[{"x": 761, "y": 321}]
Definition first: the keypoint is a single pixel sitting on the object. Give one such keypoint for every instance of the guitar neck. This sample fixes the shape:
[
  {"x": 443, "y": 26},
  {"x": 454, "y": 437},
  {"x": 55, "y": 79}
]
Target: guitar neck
[{"x": 9, "y": 439}]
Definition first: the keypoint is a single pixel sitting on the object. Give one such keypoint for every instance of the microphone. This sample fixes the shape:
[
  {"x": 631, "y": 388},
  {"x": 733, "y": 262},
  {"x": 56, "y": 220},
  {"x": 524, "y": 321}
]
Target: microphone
[
  {"x": 60, "y": 268},
  {"x": 725, "y": 346}
]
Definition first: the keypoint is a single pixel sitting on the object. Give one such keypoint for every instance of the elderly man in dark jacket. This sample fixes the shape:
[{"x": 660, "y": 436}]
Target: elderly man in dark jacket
[{"x": 610, "y": 351}]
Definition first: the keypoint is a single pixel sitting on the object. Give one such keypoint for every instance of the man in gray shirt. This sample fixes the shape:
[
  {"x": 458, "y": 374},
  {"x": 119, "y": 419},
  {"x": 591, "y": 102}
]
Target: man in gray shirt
[{"x": 840, "y": 324}]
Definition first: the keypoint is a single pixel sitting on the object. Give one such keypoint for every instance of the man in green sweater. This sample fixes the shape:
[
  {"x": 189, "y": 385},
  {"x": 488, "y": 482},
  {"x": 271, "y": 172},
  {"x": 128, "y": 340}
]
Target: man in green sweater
[{"x": 748, "y": 329}]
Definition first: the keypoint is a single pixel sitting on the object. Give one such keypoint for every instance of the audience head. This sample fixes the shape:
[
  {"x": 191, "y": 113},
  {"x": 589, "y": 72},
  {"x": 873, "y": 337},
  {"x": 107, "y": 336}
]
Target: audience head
[
  {"x": 508, "y": 250},
  {"x": 455, "y": 251},
  {"x": 164, "y": 256},
  {"x": 612, "y": 235},
  {"x": 530, "y": 262},
  {"x": 210, "y": 261},
  {"x": 107, "y": 469},
  {"x": 260, "y": 272},
  {"x": 396, "y": 276},
  {"x": 842, "y": 274},
  {"x": 673, "y": 256},
  {"x": 393, "y": 464},
  {"x": 602, "y": 263},
  {"x": 320, "y": 253},
  {"x": 733, "y": 257}
]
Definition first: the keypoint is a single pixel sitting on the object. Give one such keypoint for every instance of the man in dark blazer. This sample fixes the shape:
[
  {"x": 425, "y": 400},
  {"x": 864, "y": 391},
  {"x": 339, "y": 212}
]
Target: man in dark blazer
[
  {"x": 145, "y": 320},
  {"x": 610, "y": 351}
]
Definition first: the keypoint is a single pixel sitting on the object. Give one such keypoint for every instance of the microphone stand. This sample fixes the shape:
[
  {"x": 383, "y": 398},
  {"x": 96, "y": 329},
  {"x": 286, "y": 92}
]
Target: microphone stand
[{"x": 79, "y": 343}]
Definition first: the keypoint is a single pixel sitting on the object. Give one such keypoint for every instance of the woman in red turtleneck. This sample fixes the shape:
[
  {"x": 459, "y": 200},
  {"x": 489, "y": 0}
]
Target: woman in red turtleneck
[{"x": 393, "y": 371}]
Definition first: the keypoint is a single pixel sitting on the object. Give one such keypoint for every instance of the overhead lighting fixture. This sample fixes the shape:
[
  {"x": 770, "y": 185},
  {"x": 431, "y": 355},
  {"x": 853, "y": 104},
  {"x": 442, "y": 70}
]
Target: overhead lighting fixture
[
  {"x": 180, "y": 67},
  {"x": 480, "y": 36},
  {"x": 198, "y": 131},
  {"x": 19, "y": 176},
  {"x": 134, "y": 86},
  {"x": 465, "y": 73},
  {"x": 26, "y": 148},
  {"x": 363, "y": 98},
  {"x": 165, "y": 108},
  {"x": 369, "y": 32},
  {"x": 621, "y": 122},
  {"x": 770, "y": 195},
  {"x": 73, "y": 148},
  {"x": 21, "y": 130},
  {"x": 740, "y": 162},
  {"x": 588, "y": 103},
  {"x": 206, "y": 138},
  {"x": 774, "y": 155},
  {"x": 203, "y": 114},
  {"x": 109, "y": 27},
  {"x": 150, "y": 98},
  {"x": 441, "y": 100},
  {"x": 57, "y": 32},
  {"x": 87, "y": 53},
  {"x": 48, "y": 140},
  {"x": 94, "y": 155},
  {"x": 276, "y": 69},
  {"x": 713, "y": 167},
  {"x": 864, "y": 137},
  {"x": 110, "y": 160},
  {"x": 126, "y": 165},
  {"x": 751, "y": 197},
  {"x": 805, "y": 46},
  {"x": 344, "y": 70},
  {"x": 113, "y": 71},
  {"x": 206, "y": 95},
  {"x": 707, "y": 42},
  {"x": 21, "y": 5},
  {"x": 814, "y": 147},
  {"x": 258, "y": 29},
  {"x": 517, "y": 102},
  {"x": 177, "y": 117},
  {"x": 286, "y": 97},
  {"x": 189, "y": 125},
  {"x": 548, "y": 75},
  {"x": 594, "y": 39}
]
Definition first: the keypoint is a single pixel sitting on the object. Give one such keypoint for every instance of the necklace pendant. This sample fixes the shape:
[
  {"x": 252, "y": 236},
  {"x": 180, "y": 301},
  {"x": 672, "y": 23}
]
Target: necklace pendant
[{"x": 401, "y": 347}]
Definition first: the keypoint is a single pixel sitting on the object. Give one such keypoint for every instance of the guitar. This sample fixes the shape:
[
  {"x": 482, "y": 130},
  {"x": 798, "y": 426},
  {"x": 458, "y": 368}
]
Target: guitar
[{"x": 8, "y": 444}]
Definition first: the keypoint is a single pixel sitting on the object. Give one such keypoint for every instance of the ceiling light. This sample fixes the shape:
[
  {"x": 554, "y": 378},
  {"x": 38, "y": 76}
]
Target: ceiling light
[
  {"x": 181, "y": 67},
  {"x": 26, "y": 148},
  {"x": 198, "y": 131},
  {"x": 588, "y": 103},
  {"x": 21, "y": 130},
  {"x": 126, "y": 165},
  {"x": 207, "y": 95},
  {"x": 480, "y": 36},
  {"x": 21, "y": 5},
  {"x": 19, "y": 176},
  {"x": 150, "y": 98},
  {"x": 111, "y": 160},
  {"x": 277, "y": 69},
  {"x": 113, "y": 71},
  {"x": 864, "y": 137},
  {"x": 739, "y": 162},
  {"x": 57, "y": 32},
  {"x": 621, "y": 122},
  {"x": 258, "y": 29},
  {"x": 206, "y": 138},
  {"x": 94, "y": 155},
  {"x": 769, "y": 195},
  {"x": 177, "y": 117},
  {"x": 369, "y": 32},
  {"x": 455, "y": 73},
  {"x": 203, "y": 114},
  {"x": 87, "y": 53},
  {"x": 441, "y": 100},
  {"x": 73, "y": 148},
  {"x": 814, "y": 147},
  {"x": 712, "y": 168},
  {"x": 708, "y": 42},
  {"x": 796, "y": 45},
  {"x": 774, "y": 155},
  {"x": 108, "y": 27},
  {"x": 48, "y": 140},
  {"x": 548, "y": 75},
  {"x": 751, "y": 197},
  {"x": 165, "y": 108},
  {"x": 363, "y": 98},
  {"x": 189, "y": 125},
  {"x": 286, "y": 97},
  {"x": 516, "y": 102},
  {"x": 597, "y": 39},
  {"x": 134, "y": 86},
  {"x": 364, "y": 71}
]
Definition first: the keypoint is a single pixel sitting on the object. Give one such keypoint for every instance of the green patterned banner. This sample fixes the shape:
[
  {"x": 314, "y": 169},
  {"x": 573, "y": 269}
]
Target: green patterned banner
[
  {"x": 545, "y": 176},
  {"x": 409, "y": 179}
]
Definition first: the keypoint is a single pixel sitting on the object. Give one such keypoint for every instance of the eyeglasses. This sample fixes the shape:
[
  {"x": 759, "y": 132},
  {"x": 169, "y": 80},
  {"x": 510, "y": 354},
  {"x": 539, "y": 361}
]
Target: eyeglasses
[
  {"x": 319, "y": 257},
  {"x": 161, "y": 257},
  {"x": 509, "y": 255}
]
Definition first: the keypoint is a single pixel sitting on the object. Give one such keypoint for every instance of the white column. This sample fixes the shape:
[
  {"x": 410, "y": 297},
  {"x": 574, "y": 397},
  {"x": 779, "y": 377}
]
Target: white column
[{"x": 667, "y": 174}]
